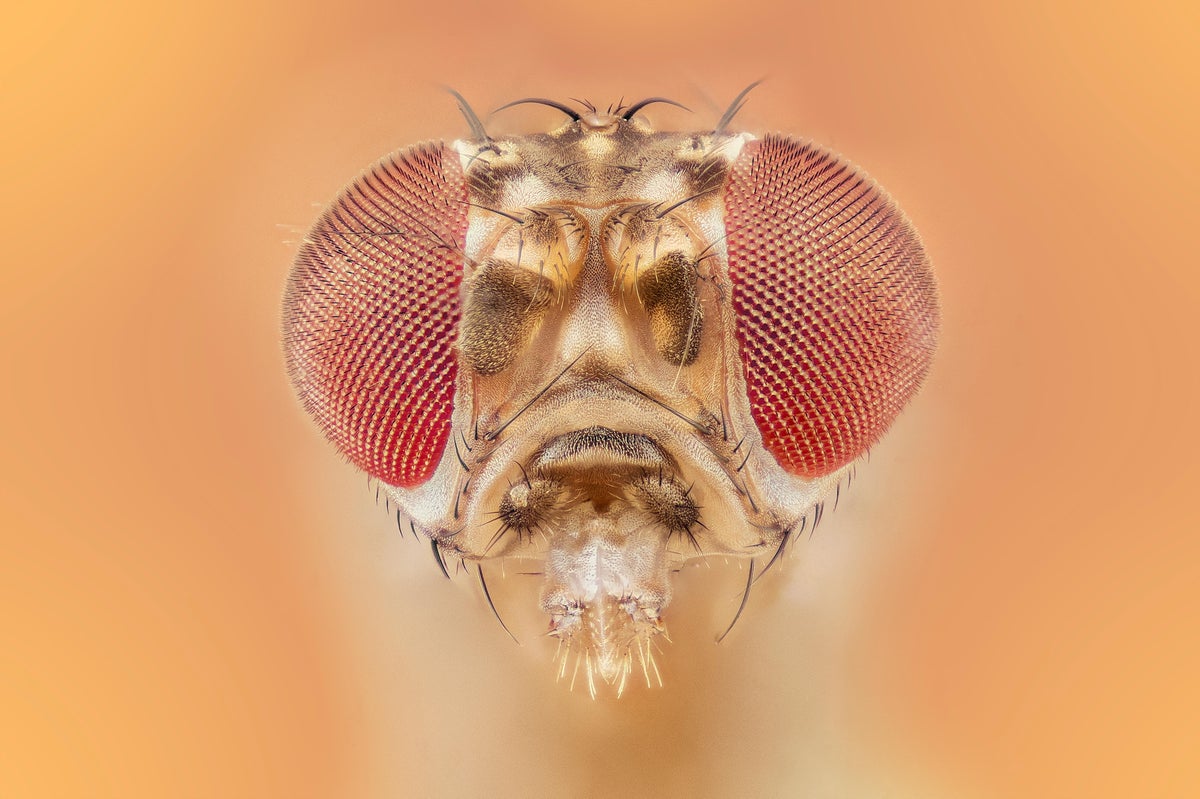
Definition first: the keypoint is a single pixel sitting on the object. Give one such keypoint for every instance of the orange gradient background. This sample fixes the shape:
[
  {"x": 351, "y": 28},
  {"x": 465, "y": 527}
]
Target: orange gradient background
[{"x": 200, "y": 600}]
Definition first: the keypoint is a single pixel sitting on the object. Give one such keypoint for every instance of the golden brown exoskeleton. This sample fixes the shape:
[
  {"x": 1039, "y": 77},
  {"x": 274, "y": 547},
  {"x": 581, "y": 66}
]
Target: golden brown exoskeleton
[{"x": 612, "y": 348}]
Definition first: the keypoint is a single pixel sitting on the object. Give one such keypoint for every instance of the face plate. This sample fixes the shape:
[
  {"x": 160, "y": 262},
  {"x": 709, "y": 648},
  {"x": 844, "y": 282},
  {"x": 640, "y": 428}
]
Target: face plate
[{"x": 611, "y": 349}]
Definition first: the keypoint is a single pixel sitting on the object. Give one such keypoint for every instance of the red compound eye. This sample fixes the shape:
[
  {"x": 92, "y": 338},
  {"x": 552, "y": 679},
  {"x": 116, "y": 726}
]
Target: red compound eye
[
  {"x": 370, "y": 317},
  {"x": 834, "y": 300}
]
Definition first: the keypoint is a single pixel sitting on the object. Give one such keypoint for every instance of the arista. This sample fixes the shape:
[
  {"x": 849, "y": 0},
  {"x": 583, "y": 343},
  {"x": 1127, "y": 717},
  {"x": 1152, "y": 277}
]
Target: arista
[{"x": 610, "y": 349}]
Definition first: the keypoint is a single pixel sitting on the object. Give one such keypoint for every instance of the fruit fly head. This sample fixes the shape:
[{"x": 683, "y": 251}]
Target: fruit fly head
[{"x": 609, "y": 348}]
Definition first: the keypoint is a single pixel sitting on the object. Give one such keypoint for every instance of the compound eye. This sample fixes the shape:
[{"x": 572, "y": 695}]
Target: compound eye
[
  {"x": 834, "y": 302},
  {"x": 371, "y": 314}
]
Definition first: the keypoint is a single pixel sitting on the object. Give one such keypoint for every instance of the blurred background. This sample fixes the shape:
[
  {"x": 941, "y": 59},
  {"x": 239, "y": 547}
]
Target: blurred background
[{"x": 199, "y": 599}]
